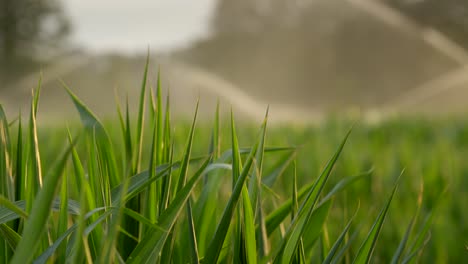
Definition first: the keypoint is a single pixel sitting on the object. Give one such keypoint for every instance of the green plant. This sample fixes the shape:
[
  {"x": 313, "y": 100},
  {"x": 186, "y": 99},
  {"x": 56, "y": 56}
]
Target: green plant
[{"x": 142, "y": 197}]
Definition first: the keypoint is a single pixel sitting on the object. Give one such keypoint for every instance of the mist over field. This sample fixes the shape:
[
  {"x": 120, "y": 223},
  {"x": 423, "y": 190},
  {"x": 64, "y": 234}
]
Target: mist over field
[{"x": 304, "y": 58}]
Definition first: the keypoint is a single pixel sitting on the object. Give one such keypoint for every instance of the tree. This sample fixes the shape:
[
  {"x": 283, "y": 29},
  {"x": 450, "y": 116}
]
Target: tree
[{"x": 29, "y": 28}]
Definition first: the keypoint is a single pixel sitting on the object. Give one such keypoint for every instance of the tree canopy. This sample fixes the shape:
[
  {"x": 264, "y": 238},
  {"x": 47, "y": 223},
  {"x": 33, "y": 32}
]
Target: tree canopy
[{"x": 29, "y": 29}]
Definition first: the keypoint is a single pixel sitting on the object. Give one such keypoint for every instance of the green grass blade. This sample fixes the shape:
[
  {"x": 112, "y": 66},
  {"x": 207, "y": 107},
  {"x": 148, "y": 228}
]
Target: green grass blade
[
  {"x": 168, "y": 147},
  {"x": 205, "y": 208},
  {"x": 299, "y": 255},
  {"x": 155, "y": 190},
  {"x": 217, "y": 242},
  {"x": 10, "y": 236},
  {"x": 279, "y": 168},
  {"x": 339, "y": 241},
  {"x": 141, "y": 180},
  {"x": 153, "y": 104},
  {"x": 138, "y": 183},
  {"x": 215, "y": 142},
  {"x": 127, "y": 244},
  {"x": 411, "y": 255},
  {"x": 79, "y": 242},
  {"x": 63, "y": 218},
  {"x": 35, "y": 179},
  {"x": 105, "y": 154},
  {"x": 365, "y": 251},
  {"x": 275, "y": 218},
  {"x": 20, "y": 172},
  {"x": 42, "y": 259},
  {"x": 226, "y": 155},
  {"x": 257, "y": 172},
  {"x": 12, "y": 207},
  {"x": 344, "y": 183},
  {"x": 150, "y": 208},
  {"x": 188, "y": 151},
  {"x": 159, "y": 121},
  {"x": 344, "y": 250},
  {"x": 7, "y": 187},
  {"x": 126, "y": 133},
  {"x": 34, "y": 227},
  {"x": 401, "y": 247},
  {"x": 167, "y": 183},
  {"x": 167, "y": 130},
  {"x": 297, "y": 227},
  {"x": 108, "y": 251},
  {"x": 261, "y": 232},
  {"x": 193, "y": 238},
  {"x": 236, "y": 158},
  {"x": 315, "y": 227},
  {"x": 240, "y": 254},
  {"x": 89, "y": 120},
  {"x": 141, "y": 117},
  {"x": 141, "y": 219},
  {"x": 7, "y": 215},
  {"x": 248, "y": 228},
  {"x": 150, "y": 247},
  {"x": 128, "y": 137}
]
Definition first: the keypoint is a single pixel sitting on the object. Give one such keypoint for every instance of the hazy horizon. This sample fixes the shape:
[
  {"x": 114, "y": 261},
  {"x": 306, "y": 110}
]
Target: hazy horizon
[{"x": 131, "y": 26}]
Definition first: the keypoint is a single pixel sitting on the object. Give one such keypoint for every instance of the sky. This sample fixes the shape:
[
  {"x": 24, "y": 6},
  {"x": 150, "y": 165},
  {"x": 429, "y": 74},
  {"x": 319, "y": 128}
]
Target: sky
[{"x": 131, "y": 26}]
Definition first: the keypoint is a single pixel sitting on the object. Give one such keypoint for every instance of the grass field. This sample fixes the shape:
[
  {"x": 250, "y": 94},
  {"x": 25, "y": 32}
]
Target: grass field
[{"x": 142, "y": 189}]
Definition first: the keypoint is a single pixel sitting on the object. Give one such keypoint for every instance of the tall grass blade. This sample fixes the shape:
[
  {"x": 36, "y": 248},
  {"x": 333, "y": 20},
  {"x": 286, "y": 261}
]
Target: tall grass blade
[
  {"x": 168, "y": 157},
  {"x": 159, "y": 121},
  {"x": 274, "y": 219},
  {"x": 214, "y": 249},
  {"x": 7, "y": 187},
  {"x": 63, "y": 218},
  {"x": 141, "y": 117},
  {"x": 423, "y": 235},
  {"x": 35, "y": 178},
  {"x": 128, "y": 137},
  {"x": 10, "y": 236},
  {"x": 344, "y": 251},
  {"x": 365, "y": 251},
  {"x": 297, "y": 227},
  {"x": 261, "y": 232},
  {"x": 192, "y": 236},
  {"x": 42, "y": 259},
  {"x": 215, "y": 142},
  {"x": 314, "y": 229},
  {"x": 205, "y": 208},
  {"x": 279, "y": 168},
  {"x": 20, "y": 177},
  {"x": 7, "y": 215},
  {"x": 12, "y": 207},
  {"x": 339, "y": 241},
  {"x": 248, "y": 228},
  {"x": 35, "y": 225},
  {"x": 411, "y": 255},
  {"x": 401, "y": 247},
  {"x": 149, "y": 207},
  {"x": 240, "y": 254},
  {"x": 187, "y": 153},
  {"x": 132, "y": 227},
  {"x": 149, "y": 249},
  {"x": 299, "y": 255}
]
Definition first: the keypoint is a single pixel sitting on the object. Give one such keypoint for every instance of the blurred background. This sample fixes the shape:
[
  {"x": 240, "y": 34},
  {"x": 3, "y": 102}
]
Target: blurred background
[{"x": 305, "y": 58}]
